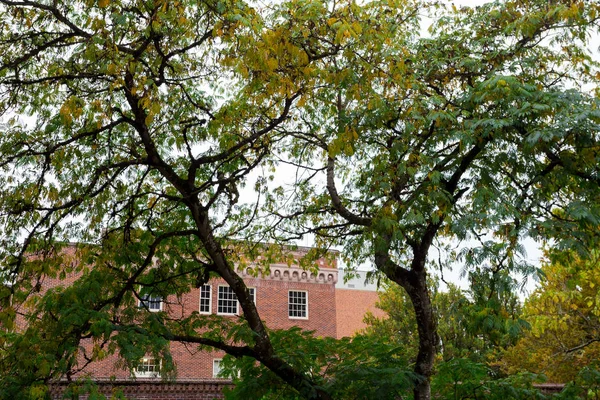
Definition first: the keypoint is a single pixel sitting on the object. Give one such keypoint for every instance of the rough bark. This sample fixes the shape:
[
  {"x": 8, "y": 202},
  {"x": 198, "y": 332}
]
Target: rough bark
[{"x": 419, "y": 296}]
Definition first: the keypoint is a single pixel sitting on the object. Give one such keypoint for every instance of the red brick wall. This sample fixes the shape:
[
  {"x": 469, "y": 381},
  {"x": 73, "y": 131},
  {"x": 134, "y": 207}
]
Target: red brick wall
[
  {"x": 351, "y": 306},
  {"x": 190, "y": 364},
  {"x": 272, "y": 303}
]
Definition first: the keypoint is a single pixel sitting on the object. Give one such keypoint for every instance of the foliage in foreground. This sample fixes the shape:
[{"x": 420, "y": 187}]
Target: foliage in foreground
[
  {"x": 368, "y": 369},
  {"x": 358, "y": 368}
]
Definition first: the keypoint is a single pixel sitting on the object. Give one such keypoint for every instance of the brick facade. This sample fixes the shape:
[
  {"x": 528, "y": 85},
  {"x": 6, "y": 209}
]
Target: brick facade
[{"x": 331, "y": 311}]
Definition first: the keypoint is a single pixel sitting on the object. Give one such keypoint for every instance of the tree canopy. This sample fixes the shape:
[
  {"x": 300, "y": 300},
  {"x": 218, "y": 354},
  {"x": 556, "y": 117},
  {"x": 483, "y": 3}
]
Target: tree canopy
[{"x": 133, "y": 127}]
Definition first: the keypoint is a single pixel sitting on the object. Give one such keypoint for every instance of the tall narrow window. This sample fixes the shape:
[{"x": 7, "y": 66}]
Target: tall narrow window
[
  {"x": 297, "y": 304},
  {"x": 205, "y": 299},
  {"x": 151, "y": 301},
  {"x": 217, "y": 368},
  {"x": 227, "y": 301}
]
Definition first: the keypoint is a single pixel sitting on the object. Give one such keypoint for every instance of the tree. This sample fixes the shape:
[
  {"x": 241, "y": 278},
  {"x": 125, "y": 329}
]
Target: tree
[
  {"x": 564, "y": 314},
  {"x": 131, "y": 127},
  {"x": 481, "y": 132},
  {"x": 475, "y": 324}
]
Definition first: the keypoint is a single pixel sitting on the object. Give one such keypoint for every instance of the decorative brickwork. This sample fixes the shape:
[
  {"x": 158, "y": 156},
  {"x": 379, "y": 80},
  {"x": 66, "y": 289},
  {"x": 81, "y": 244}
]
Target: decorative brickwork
[
  {"x": 283, "y": 272},
  {"x": 154, "y": 390}
]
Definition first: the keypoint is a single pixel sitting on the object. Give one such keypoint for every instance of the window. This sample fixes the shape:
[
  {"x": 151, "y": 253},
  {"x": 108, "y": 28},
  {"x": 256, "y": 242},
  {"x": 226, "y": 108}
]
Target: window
[
  {"x": 148, "y": 367},
  {"x": 297, "y": 304},
  {"x": 252, "y": 294},
  {"x": 217, "y": 368},
  {"x": 151, "y": 301},
  {"x": 205, "y": 299},
  {"x": 227, "y": 304}
]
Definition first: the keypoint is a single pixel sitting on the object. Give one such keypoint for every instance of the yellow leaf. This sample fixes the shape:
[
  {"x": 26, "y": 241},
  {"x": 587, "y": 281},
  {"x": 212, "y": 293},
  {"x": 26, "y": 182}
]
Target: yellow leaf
[
  {"x": 302, "y": 101},
  {"x": 103, "y": 3},
  {"x": 155, "y": 108},
  {"x": 272, "y": 64},
  {"x": 243, "y": 70}
]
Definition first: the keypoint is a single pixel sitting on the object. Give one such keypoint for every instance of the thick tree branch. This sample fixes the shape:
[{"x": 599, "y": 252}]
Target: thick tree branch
[{"x": 337, "y": 201}]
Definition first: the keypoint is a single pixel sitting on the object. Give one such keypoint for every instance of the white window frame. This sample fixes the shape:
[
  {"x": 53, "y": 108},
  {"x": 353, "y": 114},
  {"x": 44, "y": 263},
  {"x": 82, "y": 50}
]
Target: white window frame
[
  {"x": 148, "y": 374},
  {"x": 305, "y": 305},
  {"x": 209, "y": 300},
  {"x": 145, "y": 304},
  {"x": 235, "y": 302}
]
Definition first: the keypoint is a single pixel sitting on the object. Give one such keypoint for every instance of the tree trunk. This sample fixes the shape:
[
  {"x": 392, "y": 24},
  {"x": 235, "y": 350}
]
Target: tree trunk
[{"x": 419, "y": 296}]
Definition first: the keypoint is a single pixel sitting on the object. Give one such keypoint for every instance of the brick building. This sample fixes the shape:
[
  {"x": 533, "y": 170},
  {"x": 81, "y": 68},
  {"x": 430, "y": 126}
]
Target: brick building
[{"x": 288, "y": 296}]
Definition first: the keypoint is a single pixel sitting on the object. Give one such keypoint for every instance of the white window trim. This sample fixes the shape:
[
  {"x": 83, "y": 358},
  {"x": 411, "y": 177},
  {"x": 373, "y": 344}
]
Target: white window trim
[
  {"x": 288, "y": 310},
  {"x": 146, "y": 306},
  {"x": 209, "y": 300},
  {"x": 142, "y": 374},
  {"x": 237, "y": 307}
]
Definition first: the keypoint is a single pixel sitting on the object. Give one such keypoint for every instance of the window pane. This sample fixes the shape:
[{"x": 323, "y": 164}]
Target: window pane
[
  {"x": 227, "y": 301},
  {"x": 151, "y": 302}
]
